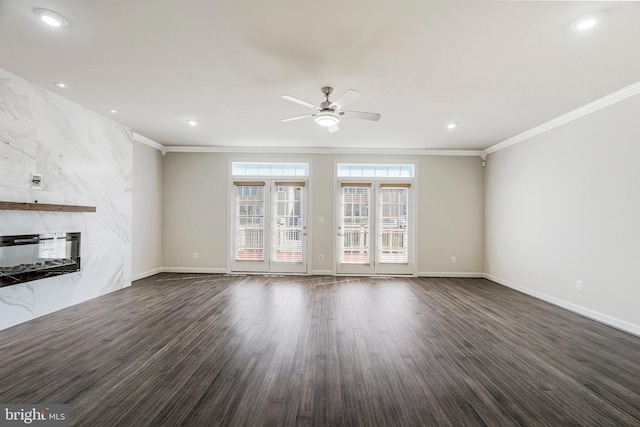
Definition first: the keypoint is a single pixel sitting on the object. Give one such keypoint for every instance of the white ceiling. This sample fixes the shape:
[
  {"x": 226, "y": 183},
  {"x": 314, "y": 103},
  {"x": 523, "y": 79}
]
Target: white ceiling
[{"x": 496, "y": 67}]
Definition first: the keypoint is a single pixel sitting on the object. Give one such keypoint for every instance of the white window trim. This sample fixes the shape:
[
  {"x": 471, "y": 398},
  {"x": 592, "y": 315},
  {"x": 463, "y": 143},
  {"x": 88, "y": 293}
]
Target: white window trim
[
  {"x": 376, "y": 183},
  {"x": 230, "y": 200}
]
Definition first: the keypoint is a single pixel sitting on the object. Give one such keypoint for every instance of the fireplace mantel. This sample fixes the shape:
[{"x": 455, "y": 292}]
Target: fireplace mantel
[{"x": 23, "y": 206}]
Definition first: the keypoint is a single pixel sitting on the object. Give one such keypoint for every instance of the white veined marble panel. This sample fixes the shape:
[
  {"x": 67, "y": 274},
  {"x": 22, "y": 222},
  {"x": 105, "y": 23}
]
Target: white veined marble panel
[
  {"x": 16, "y": 303},
  {"x": 85, "y": 159},
  {"x": 17, "y": 153}
]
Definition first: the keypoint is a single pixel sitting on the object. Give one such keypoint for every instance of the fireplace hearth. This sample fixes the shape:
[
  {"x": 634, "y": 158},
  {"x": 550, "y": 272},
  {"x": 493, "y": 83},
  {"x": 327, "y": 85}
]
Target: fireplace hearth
[{"x": 30, "y": 257}]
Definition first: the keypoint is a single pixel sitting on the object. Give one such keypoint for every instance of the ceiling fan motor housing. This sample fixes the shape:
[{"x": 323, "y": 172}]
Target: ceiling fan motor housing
[{"x": 327, "y": 90}]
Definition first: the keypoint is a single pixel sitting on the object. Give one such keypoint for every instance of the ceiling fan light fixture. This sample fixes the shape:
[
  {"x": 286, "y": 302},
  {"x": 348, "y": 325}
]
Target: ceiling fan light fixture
[
  {"x": 51, "y": 18},
  {"x": 327, "y": 119}
]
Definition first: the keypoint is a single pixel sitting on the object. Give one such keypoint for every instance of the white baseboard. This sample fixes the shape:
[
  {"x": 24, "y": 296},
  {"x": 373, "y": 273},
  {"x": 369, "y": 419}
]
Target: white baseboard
[
  {"x": 321, "y": 273},
  {"x": 450, "y": 274},
  {"x": 586, "y": 312},
  {"x": 146, "y": 274},
  {"x": 193, "y": 270}
]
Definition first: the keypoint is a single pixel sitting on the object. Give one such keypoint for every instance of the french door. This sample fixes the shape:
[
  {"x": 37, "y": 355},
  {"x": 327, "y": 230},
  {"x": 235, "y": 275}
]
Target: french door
[
  {"x": 375, "y": 228},
  {"x": 269, "y": 227}
]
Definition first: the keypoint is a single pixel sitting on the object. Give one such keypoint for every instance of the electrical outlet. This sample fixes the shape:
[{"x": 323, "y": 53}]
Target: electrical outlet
[
  {"x": 454, "y": 259},
  {"x": 321, "y": 257},
  {"x": 578, "y": 285},
  {"x": 195, "y": 255},
  {"x": 36, "y": 181},
  {"x": 320, "y": 219}
]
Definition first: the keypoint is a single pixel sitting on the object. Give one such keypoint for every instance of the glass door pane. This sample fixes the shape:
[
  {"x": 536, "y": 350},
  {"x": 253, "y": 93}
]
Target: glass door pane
[
  {"x": 393, "y": 245},
  {"x": 394, "y": 229},
  {"x": 287, "y": 224},
  {"x": 354, "y": 229},
  {"x": 249, "y": 228},
  {"x": 288, "y": 227}
]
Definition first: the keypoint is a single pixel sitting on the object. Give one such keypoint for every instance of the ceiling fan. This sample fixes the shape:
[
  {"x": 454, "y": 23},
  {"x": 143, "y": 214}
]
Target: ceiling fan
[{"x": 329, "y": 113}]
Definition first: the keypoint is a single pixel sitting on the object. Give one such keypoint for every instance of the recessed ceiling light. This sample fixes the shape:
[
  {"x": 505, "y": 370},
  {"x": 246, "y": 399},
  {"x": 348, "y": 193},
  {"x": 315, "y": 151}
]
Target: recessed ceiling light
[
  {"x": 452, "y": 125},
  {"x": 51, "y": 18},
  {"x": 585, "y": 22},
  {"x": 112, "y": 111},
  {"x": 61, "y": 85},
  {"x": 192, "y": 122}
]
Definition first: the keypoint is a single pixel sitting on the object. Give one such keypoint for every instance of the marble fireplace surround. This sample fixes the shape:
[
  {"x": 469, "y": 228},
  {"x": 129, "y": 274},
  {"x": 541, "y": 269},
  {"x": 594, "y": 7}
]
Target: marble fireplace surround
[{"x": 85, "y": 159}]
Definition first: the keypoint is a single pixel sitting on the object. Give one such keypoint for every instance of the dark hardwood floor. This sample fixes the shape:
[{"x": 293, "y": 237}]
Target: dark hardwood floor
[{"x": 204, "y": 350}]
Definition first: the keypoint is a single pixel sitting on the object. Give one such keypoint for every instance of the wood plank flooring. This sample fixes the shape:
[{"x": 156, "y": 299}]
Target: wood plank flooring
[{"x": 205, "y": 350}]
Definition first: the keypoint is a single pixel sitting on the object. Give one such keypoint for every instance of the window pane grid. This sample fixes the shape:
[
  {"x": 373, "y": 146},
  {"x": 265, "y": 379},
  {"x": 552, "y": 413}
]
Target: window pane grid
[
  {"x": 375, "y": 171},
  {"x": 250, "y": 227},
  {"x": 269, "y": 169}
]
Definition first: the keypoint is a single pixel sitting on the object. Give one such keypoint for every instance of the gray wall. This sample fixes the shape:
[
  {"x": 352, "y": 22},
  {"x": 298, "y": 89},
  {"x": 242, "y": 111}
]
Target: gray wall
[
  {"x": 195, "y": 212},
  {"x": 565, "y": 206},
  {"x": 147, "y": 211},
  {"x": 450, "y": 210},
  {"x": 451, "y": 215}
]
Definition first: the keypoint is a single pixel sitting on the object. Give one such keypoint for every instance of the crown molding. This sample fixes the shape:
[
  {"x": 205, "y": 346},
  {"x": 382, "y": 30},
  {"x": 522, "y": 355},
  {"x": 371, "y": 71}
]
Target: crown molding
[
  {"x": 299, "y": 150},
  {"x": 150, "y": 142},
  {"x": 598, "y": 104},
  {"x": 304, "y": 150}
]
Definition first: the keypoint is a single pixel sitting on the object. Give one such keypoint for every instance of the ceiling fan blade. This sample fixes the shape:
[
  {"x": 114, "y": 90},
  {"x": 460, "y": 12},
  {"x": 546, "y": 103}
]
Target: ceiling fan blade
[
  {"x": 333, "y": 128},
  {"x": 361, "y": 115},
  {"x": 347, "y": 97},
  {"x": 290, "y": 119},
  {"x": 300, "y": 101}
]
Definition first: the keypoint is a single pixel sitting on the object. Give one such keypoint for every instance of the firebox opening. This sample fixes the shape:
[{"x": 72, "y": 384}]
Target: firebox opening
[{"x": 30, "y": 257}]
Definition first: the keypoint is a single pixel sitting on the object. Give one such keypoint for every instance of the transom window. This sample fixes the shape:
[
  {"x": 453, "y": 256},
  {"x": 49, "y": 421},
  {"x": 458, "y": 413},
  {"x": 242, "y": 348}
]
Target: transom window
[
  {"x": 269, "y": 169},
  {"x": 346, "y": 170}
]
